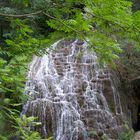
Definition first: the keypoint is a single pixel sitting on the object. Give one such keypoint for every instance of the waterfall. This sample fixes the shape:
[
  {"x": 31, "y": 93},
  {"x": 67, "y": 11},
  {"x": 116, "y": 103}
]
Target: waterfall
[{"x": 66, "y": 89}]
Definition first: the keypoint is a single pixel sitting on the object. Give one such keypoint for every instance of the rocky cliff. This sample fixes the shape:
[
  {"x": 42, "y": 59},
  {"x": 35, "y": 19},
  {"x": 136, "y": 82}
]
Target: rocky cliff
[{"x": 76, "y": 99}]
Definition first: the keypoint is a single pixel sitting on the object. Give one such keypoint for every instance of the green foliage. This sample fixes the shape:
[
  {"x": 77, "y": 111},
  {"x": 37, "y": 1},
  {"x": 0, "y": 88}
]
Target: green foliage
[
  {"x": 92, "y": 133},
  {"x": 106, "y": 25},
  {"x": 19, "y": 49},
  {"x": 21, "y": 2},
  {"x": 102, "y": 23},
  {"x": 23, "y": 125},
  {"x": 127, "y": 135}
]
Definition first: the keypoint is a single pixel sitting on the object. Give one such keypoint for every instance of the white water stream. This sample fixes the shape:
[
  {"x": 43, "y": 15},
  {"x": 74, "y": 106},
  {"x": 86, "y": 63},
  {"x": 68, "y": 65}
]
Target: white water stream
[{"x": 66, "y": 89}]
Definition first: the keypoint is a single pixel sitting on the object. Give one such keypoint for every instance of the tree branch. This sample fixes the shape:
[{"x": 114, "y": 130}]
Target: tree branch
[
  {"x": 20, "y": 16},
  {"x": 59, "y": 20}
]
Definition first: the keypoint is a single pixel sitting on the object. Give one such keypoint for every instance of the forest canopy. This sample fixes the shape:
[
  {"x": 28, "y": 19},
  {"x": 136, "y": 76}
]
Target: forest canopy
[{"x": 28, "y": 27}]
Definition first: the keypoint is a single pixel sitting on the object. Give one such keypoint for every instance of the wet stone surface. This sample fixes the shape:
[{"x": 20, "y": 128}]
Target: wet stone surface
[{"x": 75, "y": 97}]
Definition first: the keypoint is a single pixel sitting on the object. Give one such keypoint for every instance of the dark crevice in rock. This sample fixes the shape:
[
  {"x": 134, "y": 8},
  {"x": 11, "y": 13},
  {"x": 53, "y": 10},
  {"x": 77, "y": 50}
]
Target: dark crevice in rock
[
  {"x": 136, "y": 87},
  {"x": 138, "y": 119}
]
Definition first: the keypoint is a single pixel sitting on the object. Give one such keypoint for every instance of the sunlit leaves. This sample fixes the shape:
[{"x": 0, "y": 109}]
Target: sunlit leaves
[
  {"x": 104, "y": 22},
  {"x": 113, "y": 19},
  {"x": 136, "y": 20}
]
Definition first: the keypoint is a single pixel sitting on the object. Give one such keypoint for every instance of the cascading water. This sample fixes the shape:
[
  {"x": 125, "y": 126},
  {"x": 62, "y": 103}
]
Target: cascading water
[{"x": 67, "y": 94}]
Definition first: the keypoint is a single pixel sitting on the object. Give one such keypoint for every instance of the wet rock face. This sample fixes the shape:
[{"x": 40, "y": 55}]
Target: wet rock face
[{"x": 72, "y": 96}]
